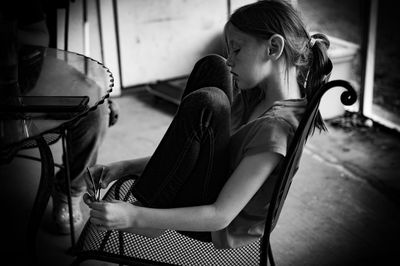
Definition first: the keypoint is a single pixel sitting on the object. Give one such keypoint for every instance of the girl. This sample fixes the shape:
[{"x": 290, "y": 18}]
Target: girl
[{"x": 213, "y": 171}]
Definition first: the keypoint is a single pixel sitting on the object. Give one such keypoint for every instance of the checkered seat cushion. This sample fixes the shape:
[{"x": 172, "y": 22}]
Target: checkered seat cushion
[{"x": 171, "y": 248}]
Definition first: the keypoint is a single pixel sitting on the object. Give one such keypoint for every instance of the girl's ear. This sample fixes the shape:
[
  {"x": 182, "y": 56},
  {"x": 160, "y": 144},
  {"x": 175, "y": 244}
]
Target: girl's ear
[{"x": 275, "y": 48}]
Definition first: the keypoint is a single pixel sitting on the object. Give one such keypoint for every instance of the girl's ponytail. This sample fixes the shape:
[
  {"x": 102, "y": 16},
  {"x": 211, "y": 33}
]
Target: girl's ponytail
[{"x": 319, "y": 70}]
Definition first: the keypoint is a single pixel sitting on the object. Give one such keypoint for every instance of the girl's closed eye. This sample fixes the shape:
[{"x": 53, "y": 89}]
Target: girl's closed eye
[{"x": 231, "y": 50}]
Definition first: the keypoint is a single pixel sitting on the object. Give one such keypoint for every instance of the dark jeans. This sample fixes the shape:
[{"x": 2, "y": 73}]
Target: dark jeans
[{"x": 190, "y": 165}]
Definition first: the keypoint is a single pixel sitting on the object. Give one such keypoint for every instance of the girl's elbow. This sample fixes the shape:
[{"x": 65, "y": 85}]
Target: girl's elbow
[
  {"x": 220, "y": 226},
  {"x": 221, "y": 218},
  {"x": 222, "y": 222}
]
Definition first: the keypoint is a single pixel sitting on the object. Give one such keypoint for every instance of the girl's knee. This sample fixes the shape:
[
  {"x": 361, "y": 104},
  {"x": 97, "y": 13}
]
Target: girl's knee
[
  {"x": 210, "y": 71},
  {"x": 204, "y": 108},
  {"x": 209, "y": 97},
  {"x": 212, "y": 60},
  {"x": 212, "y": 63}
]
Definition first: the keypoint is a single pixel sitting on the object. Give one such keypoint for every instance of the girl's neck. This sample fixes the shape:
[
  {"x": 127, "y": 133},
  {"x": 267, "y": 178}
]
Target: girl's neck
[{"x": 280, "y": 86}]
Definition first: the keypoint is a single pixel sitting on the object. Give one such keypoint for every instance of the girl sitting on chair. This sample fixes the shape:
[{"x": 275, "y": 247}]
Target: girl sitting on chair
[{"x": 211, "y": 177}]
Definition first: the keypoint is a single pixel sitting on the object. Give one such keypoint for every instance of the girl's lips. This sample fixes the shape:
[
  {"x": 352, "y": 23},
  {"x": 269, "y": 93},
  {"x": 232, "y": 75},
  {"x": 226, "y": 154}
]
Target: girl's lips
[
  {"x": 235, "y": 80},
  {"x": 234, "y": 76}
]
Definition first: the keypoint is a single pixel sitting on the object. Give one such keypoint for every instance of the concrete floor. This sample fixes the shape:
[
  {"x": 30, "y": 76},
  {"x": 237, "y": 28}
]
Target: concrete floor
[{"x": 343, "y": 207}]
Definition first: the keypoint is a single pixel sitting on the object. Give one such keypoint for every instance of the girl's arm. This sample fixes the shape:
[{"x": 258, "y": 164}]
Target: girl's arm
[
  {"x": 131, "y": 167},
  {"x": 236, "y": 193},
  {"x": 114, "y": 171}
]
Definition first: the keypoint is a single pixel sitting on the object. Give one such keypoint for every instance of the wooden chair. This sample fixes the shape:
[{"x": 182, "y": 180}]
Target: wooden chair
[{"x": 173, "y": 248}]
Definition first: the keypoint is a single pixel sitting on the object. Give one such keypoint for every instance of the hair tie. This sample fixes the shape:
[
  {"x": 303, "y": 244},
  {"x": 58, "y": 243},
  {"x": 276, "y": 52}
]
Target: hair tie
[{"x": 312, "y": 42}]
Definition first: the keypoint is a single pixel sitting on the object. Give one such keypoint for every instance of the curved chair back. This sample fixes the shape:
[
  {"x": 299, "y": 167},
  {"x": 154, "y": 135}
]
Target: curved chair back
[{"x": 292, "y": 159}]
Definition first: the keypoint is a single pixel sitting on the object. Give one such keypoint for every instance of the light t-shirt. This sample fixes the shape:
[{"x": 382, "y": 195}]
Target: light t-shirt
[{"x": 273, "y": 131}]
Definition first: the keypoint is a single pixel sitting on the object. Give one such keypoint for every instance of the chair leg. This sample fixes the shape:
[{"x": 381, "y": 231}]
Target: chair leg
[
  {"x": 42, "y": 195},
  {"x": 270, "y": 256}
]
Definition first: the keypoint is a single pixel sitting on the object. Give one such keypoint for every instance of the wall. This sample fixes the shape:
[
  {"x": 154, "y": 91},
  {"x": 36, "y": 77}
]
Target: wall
[
  {"x": 158, "y": 39},
  {"x": 163, "y": 39},
  {"x": 95, "y": 37}
]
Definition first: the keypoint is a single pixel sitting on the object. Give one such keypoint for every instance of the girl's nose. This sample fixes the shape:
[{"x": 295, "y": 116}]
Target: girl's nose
[{"x": 229, "y": 61}]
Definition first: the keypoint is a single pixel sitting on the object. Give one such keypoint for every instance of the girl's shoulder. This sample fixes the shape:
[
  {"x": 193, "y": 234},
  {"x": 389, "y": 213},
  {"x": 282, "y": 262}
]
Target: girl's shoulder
[{"x": 286, "y": 111}]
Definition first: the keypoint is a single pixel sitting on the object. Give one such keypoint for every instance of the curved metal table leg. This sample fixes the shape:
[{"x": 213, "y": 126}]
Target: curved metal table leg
[
  {"x": 42, "y": 195},
  {"x": 65, "y": 145}
]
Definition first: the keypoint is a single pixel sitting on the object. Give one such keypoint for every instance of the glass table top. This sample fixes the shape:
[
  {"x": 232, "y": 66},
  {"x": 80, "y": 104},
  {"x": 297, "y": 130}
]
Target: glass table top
[{"x": 51, "y": 72}]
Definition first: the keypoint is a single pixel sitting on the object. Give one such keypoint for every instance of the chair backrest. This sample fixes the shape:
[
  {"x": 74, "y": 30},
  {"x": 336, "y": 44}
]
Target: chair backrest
[{"x": 292, "y": 159}]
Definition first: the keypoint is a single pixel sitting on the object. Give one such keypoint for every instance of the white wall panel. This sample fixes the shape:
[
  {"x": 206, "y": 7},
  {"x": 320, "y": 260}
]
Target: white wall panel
[
  {"x": 94, "y": 34},
  {"x": 110, "y": 43},
  {"x": 75, "y": 30},
  {"x": 159, "y": 39},
  {"x": 163, "y": 39}
]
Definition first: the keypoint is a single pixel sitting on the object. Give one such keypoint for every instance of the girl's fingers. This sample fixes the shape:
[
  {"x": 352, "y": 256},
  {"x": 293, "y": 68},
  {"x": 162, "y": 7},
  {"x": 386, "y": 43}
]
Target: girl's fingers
[
  {"x": 96, "y": 214},
  {"x": 87, "y": 198},
  {"x": 100, "y": 224},
  {"x": 102, "y": 228},
  {"x": 98, "y": 205}
]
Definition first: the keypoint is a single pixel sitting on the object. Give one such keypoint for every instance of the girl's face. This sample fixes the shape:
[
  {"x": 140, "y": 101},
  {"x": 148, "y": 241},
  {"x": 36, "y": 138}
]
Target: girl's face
[{"x": 247, "y": 58}]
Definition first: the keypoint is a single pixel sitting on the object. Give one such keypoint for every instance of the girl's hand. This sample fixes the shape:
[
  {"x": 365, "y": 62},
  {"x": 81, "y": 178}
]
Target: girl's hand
[
  {"x": 112, "y": 215},
  {"x": 118, "y": 215}
]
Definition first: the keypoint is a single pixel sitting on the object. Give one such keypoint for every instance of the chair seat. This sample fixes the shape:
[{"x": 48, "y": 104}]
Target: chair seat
[{"x": 171, "y": 248}]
